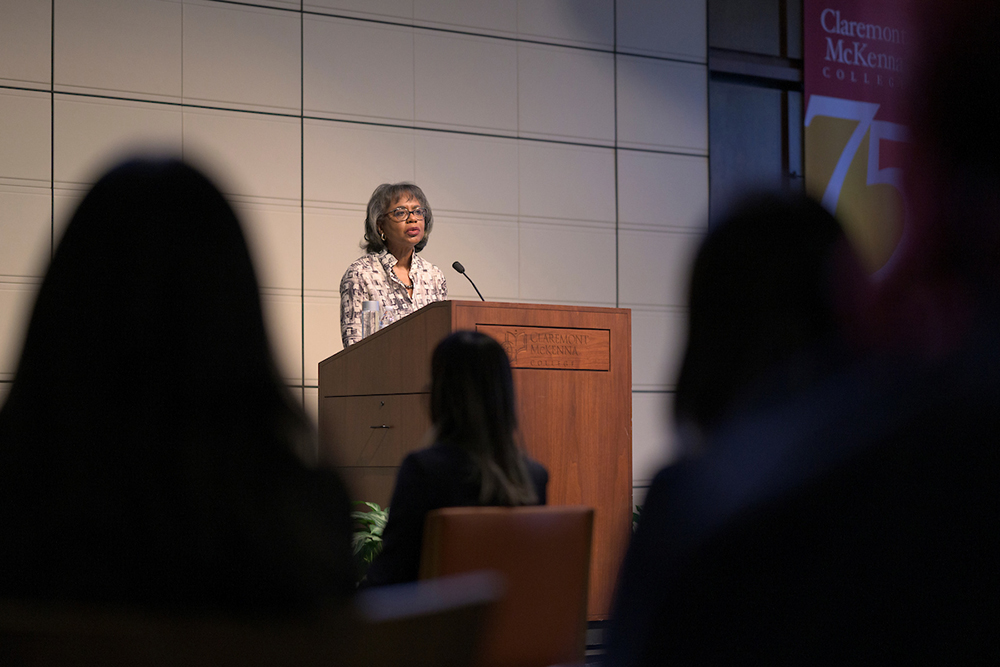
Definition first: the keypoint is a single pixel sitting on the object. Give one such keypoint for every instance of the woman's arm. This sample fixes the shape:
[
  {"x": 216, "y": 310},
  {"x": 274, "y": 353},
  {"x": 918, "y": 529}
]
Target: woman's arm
[
  {"x": 440, "y": 285},
  {"x": 351, "y": 296}
]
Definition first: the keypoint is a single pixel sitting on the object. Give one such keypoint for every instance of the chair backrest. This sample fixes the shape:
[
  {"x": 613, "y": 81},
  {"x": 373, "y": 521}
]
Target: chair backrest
[
  {"x": 544, "y": 555},
  {"x": 428, "y": 624}
]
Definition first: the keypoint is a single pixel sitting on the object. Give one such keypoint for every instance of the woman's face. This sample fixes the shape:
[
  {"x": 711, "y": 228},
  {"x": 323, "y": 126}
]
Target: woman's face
[{"x": 402, "y": 235}]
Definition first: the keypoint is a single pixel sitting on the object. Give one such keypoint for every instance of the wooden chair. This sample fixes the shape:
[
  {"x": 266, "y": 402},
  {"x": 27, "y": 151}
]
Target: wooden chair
[
  {"x": 428, "y": 624},
  {"x": 543, "y": 554}
]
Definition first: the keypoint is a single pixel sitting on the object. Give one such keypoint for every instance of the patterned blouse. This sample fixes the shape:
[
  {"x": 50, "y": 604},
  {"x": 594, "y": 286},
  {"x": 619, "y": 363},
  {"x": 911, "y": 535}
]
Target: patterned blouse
[{"x": 370, "y": 278}]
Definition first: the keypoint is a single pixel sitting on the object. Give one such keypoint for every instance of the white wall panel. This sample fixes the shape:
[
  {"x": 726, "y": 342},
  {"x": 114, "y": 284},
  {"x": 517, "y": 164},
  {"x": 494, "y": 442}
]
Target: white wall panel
[
  {"x": 91, "y": 135},
  {"x": 17, "y": 297},
  {"x": 588, "y": 23},
  {"x": 654, "y": 267},
  {"x": 273, "y": 233},
  {"x": 653, "y": 443},
  {"x": 25, "y": 230},
  {"x": 332, "y": 239},
  {"x": 658, "y": 190},
  {"x": 119, "y": 47},
  {"x": 344, "y": 163},
  {"x": 465, "y": 82},
  {"x": 247, "y": 154},
  {"x": 487, "y": 248},
  {"x": 310, "y": 396},
  {"x": 467, "y": 174},
  {"x": 658, "y": 337},
  {"x": 377, "y": 9},
  {"x": 241, "y": 56},
  {"x": 358, "y": 71},
  {"x": 567, "y": 264},
  {"x": 25, "y": 42},
  {"x": 25, "y": 137},
  {"x": 322, "y": 332},
  {"x": 575, "y": 183},
  {"x": 565, "y": 94},
  {"x": 662, "y": 105},
  {"x": 675, "y": 29},
  {"x": 489, "y": 16},
  {"x": 283, "y": 318}
]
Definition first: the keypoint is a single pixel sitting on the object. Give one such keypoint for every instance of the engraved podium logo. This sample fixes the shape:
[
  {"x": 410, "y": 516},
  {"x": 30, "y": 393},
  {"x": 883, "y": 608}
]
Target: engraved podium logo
[
  {"x": 553, "y": 348},
  {"x": 514, "y": 342}
]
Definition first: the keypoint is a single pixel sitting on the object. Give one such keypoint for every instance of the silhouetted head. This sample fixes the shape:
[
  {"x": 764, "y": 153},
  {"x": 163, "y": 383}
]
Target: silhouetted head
[
  {"x": 473, "y": 407},
  {"x": 146, "y": 447},
  {"x": 472, "y": 392},
  {"x": 148, "y": 330},
  {"x": 759, "y": 293}
]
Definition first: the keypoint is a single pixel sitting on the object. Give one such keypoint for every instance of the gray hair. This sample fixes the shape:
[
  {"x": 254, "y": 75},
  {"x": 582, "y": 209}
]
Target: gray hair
[{"x": 378, "y": 207}]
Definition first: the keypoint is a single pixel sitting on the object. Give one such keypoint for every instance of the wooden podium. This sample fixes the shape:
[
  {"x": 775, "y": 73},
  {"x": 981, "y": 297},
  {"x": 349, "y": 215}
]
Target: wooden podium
[{"x": 573, "y": 378}]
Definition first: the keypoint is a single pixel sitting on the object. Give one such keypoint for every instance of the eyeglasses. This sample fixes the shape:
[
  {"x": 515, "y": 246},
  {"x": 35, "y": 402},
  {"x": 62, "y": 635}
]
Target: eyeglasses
[{"x": 400, "y": 214}]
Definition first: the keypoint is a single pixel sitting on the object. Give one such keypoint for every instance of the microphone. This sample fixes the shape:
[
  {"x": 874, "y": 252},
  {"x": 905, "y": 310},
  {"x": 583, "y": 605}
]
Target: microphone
[{"x": 461, "y": 269}]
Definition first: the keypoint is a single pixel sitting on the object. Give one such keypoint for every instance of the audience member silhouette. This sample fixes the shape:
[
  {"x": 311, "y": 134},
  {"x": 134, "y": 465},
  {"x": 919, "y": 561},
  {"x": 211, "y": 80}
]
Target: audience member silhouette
[
  {"x": 762, "y": 317},
  {"x": 147, "y": 443},
  {"x": 475, "y": 458},
  {"x": 855, "y": 523}
]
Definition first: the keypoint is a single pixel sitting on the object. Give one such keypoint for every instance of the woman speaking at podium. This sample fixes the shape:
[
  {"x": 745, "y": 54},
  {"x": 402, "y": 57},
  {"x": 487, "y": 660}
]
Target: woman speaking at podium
[{"x": 397, "y": 226}]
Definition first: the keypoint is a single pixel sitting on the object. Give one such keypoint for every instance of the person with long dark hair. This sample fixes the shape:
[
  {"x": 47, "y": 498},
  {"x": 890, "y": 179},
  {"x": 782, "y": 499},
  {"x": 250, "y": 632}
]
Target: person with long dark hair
[
  {"x": 147, "y": 446},
  {"x": 763, "y": 318},
  {"x": 475, "y": 458}
]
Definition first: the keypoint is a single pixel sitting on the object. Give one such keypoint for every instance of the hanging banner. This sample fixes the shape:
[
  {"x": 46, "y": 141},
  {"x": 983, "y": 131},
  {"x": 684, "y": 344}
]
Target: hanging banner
[{"x": 854, "y": 68}]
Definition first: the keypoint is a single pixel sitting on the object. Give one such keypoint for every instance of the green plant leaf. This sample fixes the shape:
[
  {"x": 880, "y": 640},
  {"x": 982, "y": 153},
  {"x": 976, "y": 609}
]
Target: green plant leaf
[
  {"x": 366, "y": 542},
  {"x": 636, "y": 515},
  {"x": 365, "y": 520}
]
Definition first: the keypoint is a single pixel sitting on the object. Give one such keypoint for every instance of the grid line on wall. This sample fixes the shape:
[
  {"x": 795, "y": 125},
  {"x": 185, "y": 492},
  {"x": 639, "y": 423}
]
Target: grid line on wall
[
  {"x": 399, "y": 126},
  {"x": 27, "y": 89},
  {"x": 302, "y": 198},
  {"x": 52, "y": 129},
  {"x": 182, "y": 75},
  {"x": 472, "y": 33},
  {"x": 614, "y": 79},
  {"x": 415, "y": 24}
]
